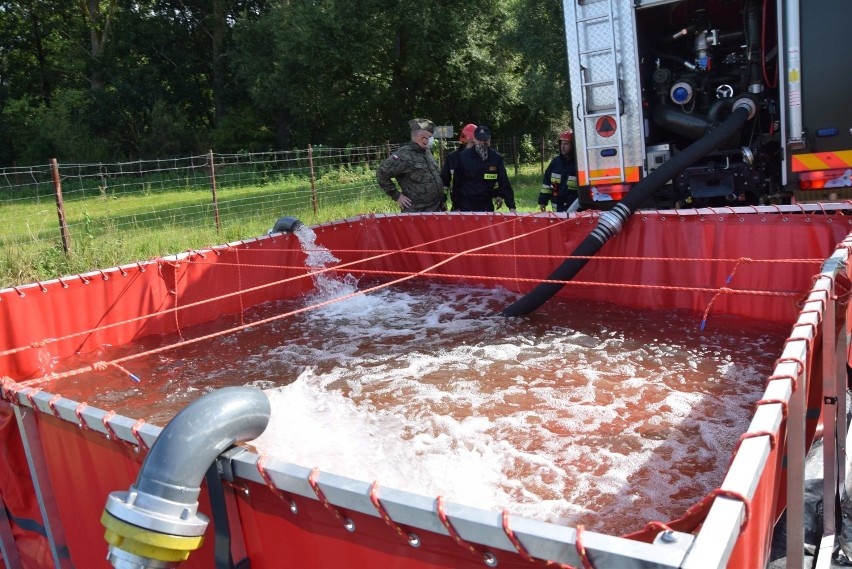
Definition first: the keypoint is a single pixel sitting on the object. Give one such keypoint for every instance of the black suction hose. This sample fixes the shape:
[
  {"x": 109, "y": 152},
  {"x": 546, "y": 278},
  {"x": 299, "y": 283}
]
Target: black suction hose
[{"x": 610, "y": 222}]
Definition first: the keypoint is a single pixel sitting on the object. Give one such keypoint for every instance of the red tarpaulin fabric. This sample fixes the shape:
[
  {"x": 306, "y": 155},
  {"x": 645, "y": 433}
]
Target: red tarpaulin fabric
[{"x": 81, "y": 313}]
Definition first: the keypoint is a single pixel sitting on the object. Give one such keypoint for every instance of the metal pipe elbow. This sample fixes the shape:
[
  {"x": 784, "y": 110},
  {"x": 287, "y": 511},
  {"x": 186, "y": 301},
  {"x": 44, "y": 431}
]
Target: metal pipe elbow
[{"x": 161, "y": 507}]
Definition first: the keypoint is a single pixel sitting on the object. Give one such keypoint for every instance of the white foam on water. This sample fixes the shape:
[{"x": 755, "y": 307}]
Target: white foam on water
[
  {"x": 590, "y": 416},
  {"x": 582, "y": 412}
]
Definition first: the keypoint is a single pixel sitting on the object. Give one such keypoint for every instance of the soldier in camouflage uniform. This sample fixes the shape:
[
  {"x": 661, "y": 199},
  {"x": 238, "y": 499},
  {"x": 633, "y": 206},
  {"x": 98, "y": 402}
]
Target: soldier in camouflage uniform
[{"x": 416, "y": 172}]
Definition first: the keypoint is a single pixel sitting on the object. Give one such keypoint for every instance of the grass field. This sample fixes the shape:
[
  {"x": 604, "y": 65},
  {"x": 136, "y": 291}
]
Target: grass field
[{"x": 107, "y": 230}]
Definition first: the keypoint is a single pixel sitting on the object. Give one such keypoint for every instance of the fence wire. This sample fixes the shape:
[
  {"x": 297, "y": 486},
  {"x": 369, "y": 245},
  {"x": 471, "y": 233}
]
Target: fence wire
[{"x": 109, "y": 199}]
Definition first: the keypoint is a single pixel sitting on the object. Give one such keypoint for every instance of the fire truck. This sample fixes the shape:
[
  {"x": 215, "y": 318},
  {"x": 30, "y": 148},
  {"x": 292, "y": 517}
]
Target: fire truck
[{"x": 648, "y": 78}]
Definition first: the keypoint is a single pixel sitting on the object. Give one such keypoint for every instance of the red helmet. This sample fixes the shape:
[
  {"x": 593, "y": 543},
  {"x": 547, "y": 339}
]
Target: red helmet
[
  {"x": 567, "y": 135},
  {"x": 467, "y": 133}
]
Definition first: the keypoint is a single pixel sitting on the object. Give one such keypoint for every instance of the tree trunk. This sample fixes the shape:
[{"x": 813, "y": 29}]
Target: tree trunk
[
  {"x": 218, "y": 27},
  {"x": 40, "y": 56},
  {"x": 282, "y": 128},
  {"x": 98, "y": 21}
]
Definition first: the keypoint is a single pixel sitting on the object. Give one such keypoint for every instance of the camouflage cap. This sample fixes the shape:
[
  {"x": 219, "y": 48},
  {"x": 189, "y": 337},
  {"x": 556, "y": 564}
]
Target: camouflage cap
[{"x": 421, "y": 124}]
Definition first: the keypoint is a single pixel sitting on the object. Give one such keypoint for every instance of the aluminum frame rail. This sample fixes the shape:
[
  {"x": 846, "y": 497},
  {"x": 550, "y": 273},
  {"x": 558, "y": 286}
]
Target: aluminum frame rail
[
  {"x": 724, "y": 520},
  {"x": 484, "y": 527}
]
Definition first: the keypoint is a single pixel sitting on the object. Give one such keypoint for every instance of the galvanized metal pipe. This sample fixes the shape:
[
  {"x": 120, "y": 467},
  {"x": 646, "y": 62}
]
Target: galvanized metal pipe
[
  {"x": 162, "y": 506},
  {"x": 794, "y": 73}
]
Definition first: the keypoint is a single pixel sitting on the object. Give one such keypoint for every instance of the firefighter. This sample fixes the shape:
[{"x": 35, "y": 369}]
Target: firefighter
[
  {"x": 452, "y": 160},
  {"x": 416, "y": 171},
  {"x": 559, "y": 185},
  {"x": 480, "y": 181}
]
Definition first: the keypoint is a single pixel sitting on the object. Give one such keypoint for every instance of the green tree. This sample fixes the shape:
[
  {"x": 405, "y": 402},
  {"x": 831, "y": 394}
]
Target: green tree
[
  {"x": 101, "y": 79},
  {"x": 539, "y": 39},
  {"x": 339, "y": 72}
]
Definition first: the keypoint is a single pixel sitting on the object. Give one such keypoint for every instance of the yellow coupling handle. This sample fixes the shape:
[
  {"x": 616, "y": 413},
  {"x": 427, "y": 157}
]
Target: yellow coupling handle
[{"x": 147, "y": 543}]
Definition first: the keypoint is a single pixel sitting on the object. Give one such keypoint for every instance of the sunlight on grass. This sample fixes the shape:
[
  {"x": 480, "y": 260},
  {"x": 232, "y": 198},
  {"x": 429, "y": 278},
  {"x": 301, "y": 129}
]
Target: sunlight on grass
[{"x": 110, "y": 230}]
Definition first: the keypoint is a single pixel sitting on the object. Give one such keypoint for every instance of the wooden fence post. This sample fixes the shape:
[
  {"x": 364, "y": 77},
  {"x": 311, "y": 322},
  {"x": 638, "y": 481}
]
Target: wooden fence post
[
  {"x": 213, "y": 188},
  {"x": 60, "y": 207},
  {"x": 313, "y": 177}
]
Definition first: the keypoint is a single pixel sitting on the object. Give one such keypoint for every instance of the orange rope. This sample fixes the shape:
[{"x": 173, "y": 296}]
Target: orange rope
[
  {"x": 445, "y": 521},
  {"x": 261, "y": 468},
  {"x": 79, "y": 412},
  {"x": 100, "y": 365},
  {"x": 309, "y": 274},
  {"x": 739, "y": 261},
  {"x": 411, "y": 538},
  {"x": 401, "y": 277},
  {"x": 312, "y": 480},
  {"x": 694, "y": 517},
  {"x": 522, "y": 551}
]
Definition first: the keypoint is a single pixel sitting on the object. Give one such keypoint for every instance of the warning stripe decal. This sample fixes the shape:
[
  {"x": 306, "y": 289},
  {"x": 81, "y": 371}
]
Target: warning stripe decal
[
  {"x": 631, "y": 175},
  {"x": 821, "y": 161}
]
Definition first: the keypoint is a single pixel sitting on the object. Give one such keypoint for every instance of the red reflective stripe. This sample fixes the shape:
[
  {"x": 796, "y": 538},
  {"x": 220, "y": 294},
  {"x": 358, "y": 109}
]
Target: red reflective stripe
[{"x": 821, "y": 161}]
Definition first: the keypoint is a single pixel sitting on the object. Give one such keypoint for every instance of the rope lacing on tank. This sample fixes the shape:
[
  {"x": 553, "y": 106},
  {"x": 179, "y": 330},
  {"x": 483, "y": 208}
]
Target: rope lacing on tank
[
  {"x": 473, "y": 253},
  {"x": 753, "y": 435},
  {"x": 6, "y": 386},
  {"x": 693, "y": 518},
  {"x": 312, "y": 480},
  {"x": 411, "y": 538},
  {"x": 78, "y": 411},
  {"x": 30, "y": 394},
  {"x": 105, "y": 421},
  {"x": 134, "y": 430},
  {"x": 487, "y": 557},
  {"x": 785, "y": 406},
  {"x": 800, "y": 367},
  {"x": 811, "y": 326},
  {"x": 51, "y": 404},
  {"x": 414, "y": 249},
  {"x": 581, "y": 549},
  {"x": 261, "y": 468}
]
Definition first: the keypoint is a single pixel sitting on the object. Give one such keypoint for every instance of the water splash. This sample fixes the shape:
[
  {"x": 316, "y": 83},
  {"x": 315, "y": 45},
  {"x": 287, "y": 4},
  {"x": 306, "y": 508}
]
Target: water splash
[
  {"x": 318, "y": 257},
  {"x": 327, "y": 285}
]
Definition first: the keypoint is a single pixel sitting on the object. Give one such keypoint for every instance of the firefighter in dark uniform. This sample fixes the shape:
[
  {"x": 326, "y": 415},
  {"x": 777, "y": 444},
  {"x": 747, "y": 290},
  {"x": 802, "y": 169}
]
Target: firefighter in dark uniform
[
  {"x": 559, "y": 185},
  {"x": 452, "y": 160},
  {"x": 480, "y": 181},
  {"x": 416, "y": 171}
]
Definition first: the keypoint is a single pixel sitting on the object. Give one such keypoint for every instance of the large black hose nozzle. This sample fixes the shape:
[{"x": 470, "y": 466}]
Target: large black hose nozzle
[{"x": 285, "y": 225}]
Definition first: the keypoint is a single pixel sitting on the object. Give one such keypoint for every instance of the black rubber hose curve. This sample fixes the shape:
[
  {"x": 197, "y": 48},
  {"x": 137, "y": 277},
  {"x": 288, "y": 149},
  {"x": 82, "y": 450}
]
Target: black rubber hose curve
[{"x": 610, "y": 222}]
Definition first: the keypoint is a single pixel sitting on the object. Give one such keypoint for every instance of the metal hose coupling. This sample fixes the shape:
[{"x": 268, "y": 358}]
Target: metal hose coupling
[
  {"x": 156, "y": 524},
  {"x": 610, "y": 223},
  {"x": 745, "y": 102}
]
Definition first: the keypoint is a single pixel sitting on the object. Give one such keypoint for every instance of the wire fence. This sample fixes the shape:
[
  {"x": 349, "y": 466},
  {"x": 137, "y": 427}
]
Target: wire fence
[{"x": 58, "y": 204}]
